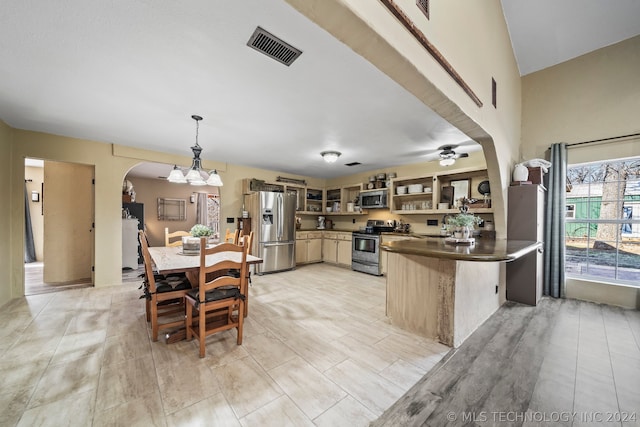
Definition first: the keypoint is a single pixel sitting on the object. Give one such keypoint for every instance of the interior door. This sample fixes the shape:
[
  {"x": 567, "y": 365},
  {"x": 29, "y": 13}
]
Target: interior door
[{"x": 68, "y": 222}]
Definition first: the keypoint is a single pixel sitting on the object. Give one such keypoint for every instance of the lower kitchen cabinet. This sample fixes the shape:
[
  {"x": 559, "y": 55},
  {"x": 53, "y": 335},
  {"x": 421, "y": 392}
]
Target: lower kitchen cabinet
[
  {"x": 336, "y": 248},
  {"x": 308, "y": 247}
]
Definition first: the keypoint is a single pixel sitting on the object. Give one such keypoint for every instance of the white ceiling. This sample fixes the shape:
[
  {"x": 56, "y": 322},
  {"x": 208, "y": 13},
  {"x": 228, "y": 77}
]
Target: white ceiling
[
  {"x": 133, "y": 73},
  {"x": 547, "y": 32}
]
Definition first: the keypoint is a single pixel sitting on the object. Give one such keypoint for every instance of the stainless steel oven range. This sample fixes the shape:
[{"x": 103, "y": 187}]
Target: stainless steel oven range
[{"x": 365, "y": 249}]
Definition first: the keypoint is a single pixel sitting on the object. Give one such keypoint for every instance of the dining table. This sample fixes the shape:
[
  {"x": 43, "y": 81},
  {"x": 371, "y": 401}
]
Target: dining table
[{"x": 169, "y": 260}]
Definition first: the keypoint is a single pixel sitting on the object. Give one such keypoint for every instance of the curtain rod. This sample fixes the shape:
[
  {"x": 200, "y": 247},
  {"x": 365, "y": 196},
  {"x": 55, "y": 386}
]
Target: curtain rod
[{"x": 603, "y": 139}]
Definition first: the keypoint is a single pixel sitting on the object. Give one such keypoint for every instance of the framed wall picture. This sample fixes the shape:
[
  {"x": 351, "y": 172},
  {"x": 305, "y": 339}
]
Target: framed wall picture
[{"x": 460, "y": 190}]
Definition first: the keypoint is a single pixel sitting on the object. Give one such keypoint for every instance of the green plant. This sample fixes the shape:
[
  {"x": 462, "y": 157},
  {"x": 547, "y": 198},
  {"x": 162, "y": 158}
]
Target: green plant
[
  {"x": 200, "y": 230},
  {"x": 463, "y": 220}
]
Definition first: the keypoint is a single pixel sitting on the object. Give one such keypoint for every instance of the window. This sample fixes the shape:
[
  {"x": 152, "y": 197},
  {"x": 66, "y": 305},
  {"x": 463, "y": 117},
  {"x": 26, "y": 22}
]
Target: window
[{"x": 602, "y": 236}]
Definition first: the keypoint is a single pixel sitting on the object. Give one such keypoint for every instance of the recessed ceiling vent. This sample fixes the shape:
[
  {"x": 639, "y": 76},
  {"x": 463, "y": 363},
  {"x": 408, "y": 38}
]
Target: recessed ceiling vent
[{"x": 265, "y": 42}]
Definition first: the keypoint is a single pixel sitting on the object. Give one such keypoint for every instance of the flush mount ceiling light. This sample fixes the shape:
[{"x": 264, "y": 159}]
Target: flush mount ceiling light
[
  {"x": 195, "y": 175},
  {"x": 330, "y": 156}
]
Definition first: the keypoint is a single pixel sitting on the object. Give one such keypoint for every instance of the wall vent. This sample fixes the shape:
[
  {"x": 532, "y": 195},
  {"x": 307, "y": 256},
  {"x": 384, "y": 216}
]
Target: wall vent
[
  {"x": 265, "y": 42},
  {"x": 423, "y": 5}
]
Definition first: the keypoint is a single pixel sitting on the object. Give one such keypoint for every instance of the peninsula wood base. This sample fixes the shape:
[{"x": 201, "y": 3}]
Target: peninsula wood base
[{"x": 438, "y": 298}]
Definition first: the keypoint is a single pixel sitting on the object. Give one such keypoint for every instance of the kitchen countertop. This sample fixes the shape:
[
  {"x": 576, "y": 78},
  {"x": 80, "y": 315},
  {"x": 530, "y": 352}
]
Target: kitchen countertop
[
  {"x": 484, "y": 250},
  {"x": 340, "y": 230}
]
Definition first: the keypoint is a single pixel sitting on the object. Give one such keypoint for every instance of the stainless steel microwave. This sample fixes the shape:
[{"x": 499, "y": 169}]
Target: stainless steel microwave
[{"x": 373, "y": 199}]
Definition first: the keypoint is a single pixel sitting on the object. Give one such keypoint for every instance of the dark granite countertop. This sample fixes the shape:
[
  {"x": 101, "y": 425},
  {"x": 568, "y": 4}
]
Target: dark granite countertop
[
  {"x": 486, "y": 250},
  {"x": 340, "y": 230}
]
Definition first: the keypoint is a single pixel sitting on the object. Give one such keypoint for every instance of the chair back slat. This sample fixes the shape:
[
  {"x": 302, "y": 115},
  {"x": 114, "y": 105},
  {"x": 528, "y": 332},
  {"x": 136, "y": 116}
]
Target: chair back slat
[
  {"x": 168, "y": 236},
  {"x": 222, "y": 266}
]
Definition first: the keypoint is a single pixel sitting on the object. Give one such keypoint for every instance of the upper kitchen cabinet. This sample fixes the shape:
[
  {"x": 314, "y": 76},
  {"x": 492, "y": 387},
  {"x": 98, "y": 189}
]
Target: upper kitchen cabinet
[
  {"x": 309, "y": 200},
  {"x": 440, "y": 193},
  {"x": 343, "y": 200}
]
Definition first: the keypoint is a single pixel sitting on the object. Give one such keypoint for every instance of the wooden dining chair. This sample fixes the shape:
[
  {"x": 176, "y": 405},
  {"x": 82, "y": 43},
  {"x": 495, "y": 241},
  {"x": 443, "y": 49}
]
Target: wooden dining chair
[
  {"x": 168, "y": 236},
  {"x": 232, "y": 236},
  {"x": 224, "y": 293},
  {"x": 164, "y": 297}
]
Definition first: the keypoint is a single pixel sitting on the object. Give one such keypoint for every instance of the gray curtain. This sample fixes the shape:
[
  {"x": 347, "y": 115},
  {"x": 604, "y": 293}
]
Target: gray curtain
[
  {"x": 29, "y": 245},
  {"x": 554, "y": 249},
  {"x": 201, "y": 209}
]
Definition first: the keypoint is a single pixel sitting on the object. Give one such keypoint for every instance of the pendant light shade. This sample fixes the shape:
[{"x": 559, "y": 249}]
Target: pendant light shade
[{"x": 195, "y": 175}]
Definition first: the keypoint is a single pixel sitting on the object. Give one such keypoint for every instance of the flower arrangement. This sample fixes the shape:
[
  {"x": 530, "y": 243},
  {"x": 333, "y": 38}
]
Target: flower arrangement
[
  {"x": 463, "y": 220},
  {"x": 200, "y": 230}
]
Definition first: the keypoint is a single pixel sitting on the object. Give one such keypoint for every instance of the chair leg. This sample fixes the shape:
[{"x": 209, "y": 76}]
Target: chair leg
[
  {"x": 202, "y": 321},
  {"x": 188, "y": 319},
  {"x": 154, "y": 320},
  {"x": 240, "y": 321},
  {"x": 147, "y": 304}
]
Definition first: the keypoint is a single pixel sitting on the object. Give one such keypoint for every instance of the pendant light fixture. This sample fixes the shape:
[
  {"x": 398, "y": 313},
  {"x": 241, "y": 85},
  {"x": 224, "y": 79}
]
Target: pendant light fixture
[{"x": 195, "y": 175}]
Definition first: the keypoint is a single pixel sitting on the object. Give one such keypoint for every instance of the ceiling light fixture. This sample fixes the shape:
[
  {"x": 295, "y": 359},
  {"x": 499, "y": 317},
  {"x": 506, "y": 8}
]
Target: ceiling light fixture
[
  {"x": 447, "y": 162},
  {"x": 330, "y": 156},
  {"x": 195, "y": 174}
]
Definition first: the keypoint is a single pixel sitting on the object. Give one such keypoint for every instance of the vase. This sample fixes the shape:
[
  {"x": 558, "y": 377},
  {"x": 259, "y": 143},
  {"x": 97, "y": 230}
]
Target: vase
[
  {"x": 190, "y": 244},
  {"x": 466, "y": 233},
  {"x": 520, "y": 173}
]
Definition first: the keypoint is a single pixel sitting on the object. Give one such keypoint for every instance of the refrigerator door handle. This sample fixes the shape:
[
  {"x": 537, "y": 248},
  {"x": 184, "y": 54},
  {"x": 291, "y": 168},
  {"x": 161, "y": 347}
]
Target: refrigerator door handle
[
  {"x": 280, "y": 215},
  {"x": 267, "y": 245}
]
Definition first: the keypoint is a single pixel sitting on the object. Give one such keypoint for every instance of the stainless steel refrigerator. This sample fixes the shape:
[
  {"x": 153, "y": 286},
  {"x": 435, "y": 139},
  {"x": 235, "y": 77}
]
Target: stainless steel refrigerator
[{"x": 275, "y": 230}]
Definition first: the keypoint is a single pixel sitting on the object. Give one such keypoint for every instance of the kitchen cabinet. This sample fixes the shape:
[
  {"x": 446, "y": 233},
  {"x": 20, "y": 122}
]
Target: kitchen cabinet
[
  {"x": 525, "y": 221},
  {"x": 309, "y": 200},
  {"x": 421, "y": 194},
  {"x": 338, "y": 200},
  {"x": 308, "y": 247},
  {"x": 336, "y": 248}
]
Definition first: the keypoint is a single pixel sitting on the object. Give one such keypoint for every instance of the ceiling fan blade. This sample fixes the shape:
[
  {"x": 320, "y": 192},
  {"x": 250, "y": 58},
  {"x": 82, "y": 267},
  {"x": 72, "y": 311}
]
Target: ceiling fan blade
[{"x": 461, "y": 155}]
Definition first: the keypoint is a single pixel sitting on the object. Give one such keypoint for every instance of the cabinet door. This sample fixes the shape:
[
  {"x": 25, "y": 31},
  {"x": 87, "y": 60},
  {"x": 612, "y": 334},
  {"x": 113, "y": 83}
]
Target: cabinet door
[
  {"x": 329, "y": 251},
  {"x": 301, "y": 251},
  {"x": 314, "y": 250},
  {"x": 344, "y": 252}
]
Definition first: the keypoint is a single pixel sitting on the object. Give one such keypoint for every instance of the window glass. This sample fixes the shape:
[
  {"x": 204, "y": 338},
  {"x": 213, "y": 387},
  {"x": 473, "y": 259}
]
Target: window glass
[{"x": 602, "y": 235}]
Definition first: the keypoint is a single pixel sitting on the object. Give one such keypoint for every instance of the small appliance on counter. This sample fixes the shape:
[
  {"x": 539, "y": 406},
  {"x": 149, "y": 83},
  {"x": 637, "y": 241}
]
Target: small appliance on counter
[{"x": 321, "y": 223}]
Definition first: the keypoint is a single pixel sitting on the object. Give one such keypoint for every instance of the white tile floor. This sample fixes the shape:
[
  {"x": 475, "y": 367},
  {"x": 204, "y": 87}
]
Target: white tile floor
[{"x": 317, "y": 350}]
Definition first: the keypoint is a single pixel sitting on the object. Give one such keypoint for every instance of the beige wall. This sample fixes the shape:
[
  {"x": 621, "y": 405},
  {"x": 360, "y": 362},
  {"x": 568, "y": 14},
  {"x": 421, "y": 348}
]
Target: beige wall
[
  {"x": 148, "y": 191},
  {"x": 35, "y": 174},
  {"x": 6, "y": 252},
  {"x": 594, "y": 96}
]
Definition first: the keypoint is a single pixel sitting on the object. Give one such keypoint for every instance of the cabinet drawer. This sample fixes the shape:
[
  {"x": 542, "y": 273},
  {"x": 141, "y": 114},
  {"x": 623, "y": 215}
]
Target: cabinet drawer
[
  {"x": 344, "y": 236},
  {"x": 314, "y": 235},
  {"x": 301, "y": 235},
  {"x": 333, "y": 235}
]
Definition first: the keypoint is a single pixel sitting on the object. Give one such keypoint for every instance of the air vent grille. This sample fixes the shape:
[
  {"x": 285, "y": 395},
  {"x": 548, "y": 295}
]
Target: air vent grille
[
  {"x": 265, "y": 42},
  {"x": 423, "y": 5}
]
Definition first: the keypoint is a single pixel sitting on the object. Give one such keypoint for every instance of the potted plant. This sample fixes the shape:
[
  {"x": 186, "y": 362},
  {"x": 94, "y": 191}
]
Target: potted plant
[
  {"x": 462, "y": 224},
  {"x": 191, "y": 244}
]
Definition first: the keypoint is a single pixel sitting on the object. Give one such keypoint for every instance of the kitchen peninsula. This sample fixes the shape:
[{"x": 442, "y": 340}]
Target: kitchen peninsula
[{"x": 444, "y": 291}]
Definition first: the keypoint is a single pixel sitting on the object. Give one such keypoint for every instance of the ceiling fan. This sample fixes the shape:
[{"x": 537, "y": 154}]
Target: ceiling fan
[{"x": 448, "y": 156}]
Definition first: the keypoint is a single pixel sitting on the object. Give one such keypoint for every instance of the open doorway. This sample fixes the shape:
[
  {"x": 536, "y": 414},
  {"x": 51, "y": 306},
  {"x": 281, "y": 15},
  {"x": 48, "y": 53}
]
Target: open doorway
[
  {"x": 163, "y": 204},
  {"x": 59, "y": 238}
]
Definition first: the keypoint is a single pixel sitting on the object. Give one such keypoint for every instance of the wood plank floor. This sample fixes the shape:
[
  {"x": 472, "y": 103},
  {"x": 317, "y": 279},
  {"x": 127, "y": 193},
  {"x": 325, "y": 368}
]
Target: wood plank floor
[
  {"x": 34, "y": 283},
  {"x": 564, "y": 362}
]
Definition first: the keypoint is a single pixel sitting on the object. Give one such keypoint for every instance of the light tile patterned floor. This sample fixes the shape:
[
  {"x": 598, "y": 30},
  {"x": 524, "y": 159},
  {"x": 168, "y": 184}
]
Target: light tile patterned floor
[{"x": 317, "y": 350}]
